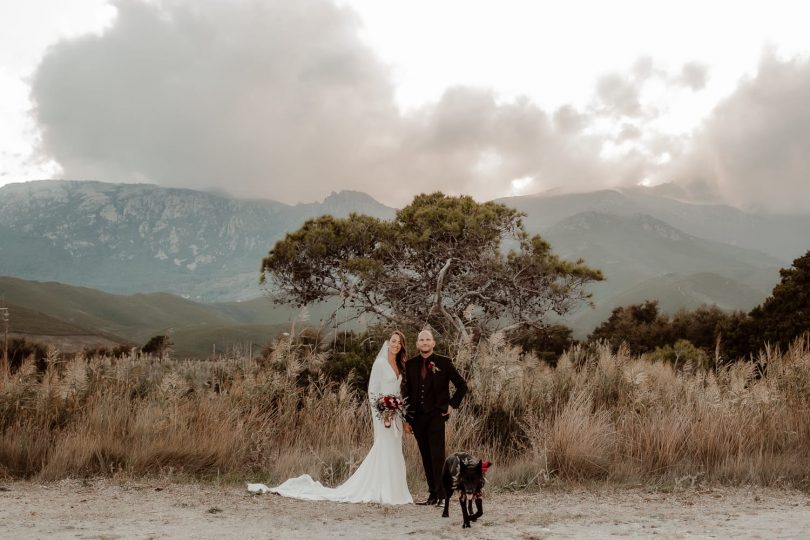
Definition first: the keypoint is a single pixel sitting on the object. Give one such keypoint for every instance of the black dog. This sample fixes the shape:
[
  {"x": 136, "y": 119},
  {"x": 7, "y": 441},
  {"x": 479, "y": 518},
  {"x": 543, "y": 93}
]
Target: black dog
[{"x": 464, "y": 473}]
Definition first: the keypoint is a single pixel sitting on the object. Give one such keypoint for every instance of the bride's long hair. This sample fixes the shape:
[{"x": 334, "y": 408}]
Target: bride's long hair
[{"x": 402, "y": 357}]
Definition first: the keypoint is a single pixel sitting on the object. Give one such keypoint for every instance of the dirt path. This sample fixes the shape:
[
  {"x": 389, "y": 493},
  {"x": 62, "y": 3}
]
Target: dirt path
[{"x": 105, "y": 509}]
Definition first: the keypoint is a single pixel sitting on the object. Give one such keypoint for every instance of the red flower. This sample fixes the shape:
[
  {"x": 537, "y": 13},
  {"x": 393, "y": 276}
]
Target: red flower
[{"x": 388, "y": 407}]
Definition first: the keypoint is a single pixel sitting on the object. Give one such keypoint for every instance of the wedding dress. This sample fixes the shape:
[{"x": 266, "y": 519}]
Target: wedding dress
[{"x": 381, "y": 477}]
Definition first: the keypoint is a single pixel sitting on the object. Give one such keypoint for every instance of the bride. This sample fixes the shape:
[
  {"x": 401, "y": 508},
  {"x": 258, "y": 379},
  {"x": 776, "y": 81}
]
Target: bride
[{"x": 381, "y": 476}]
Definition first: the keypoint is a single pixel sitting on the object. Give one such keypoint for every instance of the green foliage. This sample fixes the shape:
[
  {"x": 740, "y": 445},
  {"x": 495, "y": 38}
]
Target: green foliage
[
  {"x": 681, "y": 353},
  {"x": 349, "y": 356},
  {"x": 439, "y": 262},
  {"x": 19, "y": 349},
  {"x": 158, "y": 345},
  {"x": 785, "y": 315},
  {"x": 716, "y": 332},
  {"x": 314, "y": 261},
  {"x": 344, "y": 357},
  {"x": 642, "y": 328},
  {"x": 702, "y": 326},
  {"x": 739, "y": 342},
  {"x": 781, "y": 319},
  {"x": 546, "y": 343},
  {"x": 439, "y": 226},
  {"x": 348, "y": 365}
]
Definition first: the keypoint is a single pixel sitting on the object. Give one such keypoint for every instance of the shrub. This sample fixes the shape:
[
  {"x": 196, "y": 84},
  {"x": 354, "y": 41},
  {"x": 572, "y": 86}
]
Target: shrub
[
  {"x": 158, "y": 345},
  {"x": 681, "y": 354},
  {"x": 548, "y": 343},
  {"x": 20, "y": 349}
]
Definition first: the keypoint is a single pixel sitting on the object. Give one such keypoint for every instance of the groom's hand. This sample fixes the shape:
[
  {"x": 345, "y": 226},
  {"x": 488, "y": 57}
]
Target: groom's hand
[
  {"x": 449, "y": 411},
  {"x": 408, "y": 428}
]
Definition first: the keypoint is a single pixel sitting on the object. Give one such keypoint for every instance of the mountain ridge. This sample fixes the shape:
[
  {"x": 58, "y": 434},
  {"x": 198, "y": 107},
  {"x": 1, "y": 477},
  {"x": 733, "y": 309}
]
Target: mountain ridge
[
  {"x": 629, "y": 249},
  {"x": 141, "y": 238},
  {"x": 784, "y": 237},
  {"x": 127, "y": 238}
]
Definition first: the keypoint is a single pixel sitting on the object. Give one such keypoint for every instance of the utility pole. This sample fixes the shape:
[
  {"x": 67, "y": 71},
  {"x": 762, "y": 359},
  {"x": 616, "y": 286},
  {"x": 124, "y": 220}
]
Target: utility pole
[{"x": 4, "y": 316}]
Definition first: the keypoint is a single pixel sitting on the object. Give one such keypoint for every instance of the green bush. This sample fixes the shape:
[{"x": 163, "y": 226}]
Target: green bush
[{"x": 682, "y": 353}]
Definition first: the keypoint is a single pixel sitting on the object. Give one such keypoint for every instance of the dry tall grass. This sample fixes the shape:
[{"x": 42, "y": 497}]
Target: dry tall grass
[{"x": 597, "y": 415}]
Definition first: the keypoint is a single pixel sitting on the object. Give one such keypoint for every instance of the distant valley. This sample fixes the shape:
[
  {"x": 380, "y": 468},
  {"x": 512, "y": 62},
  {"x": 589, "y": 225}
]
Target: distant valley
[{"x": 76, "y": 317}]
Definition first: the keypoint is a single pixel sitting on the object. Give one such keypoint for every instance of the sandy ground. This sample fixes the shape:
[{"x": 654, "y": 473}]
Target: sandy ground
[{"x": 106, "y": 509}]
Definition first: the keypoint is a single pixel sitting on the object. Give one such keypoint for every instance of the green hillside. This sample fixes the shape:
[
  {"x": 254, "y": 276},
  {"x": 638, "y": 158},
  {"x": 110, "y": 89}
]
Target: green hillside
[
  {"x": 134, "y": 317},
  {"x": 32, "y": 322},
  {"x": 674, "y": 292},
  {"x": 77, "y": 313},
  {"x": 630, "y": 250}
]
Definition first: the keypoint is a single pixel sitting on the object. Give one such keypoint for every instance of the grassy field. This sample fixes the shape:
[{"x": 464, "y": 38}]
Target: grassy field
[{"x": 597, "y": 416}]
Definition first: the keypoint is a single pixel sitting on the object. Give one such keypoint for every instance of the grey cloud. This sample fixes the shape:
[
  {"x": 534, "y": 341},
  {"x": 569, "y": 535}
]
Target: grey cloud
[
  {"x": 265, "y": 98},
  {"x": 268, "y": 98},
  {"x": 568, "y": 120},
  {"x": 753, "y": 149},
  {"x": 694, "y": 76},
  {"x": 619, "y": 95},
  {"x": 282, "y": 100},
  {"x": 629, "y": 132},
  {"x": 644, "y": 69},
  {"x": 467, "y": 143}
]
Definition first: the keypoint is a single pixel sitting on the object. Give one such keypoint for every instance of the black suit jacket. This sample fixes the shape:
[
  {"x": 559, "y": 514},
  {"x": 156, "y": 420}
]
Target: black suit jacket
[{"x": 437, "y": 390}]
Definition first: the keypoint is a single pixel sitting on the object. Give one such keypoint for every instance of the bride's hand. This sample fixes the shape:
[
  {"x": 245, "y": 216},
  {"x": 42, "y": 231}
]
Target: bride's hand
[{"x": 407, "y": 427}]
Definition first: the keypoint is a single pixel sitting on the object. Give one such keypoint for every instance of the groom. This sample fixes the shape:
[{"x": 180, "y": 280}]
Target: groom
[{"x": 427, "y": 387}]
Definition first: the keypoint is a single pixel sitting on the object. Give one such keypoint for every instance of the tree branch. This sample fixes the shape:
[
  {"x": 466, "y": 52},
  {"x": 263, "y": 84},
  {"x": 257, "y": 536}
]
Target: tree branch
[{"x": 454, "y": 320}]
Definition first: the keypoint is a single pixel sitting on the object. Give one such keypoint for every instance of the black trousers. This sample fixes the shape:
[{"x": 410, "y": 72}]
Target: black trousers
[{"x": 428, "y": 428}]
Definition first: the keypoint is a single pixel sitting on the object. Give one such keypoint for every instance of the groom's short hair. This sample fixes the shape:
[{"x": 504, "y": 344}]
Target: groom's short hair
[{"x": 426, "y": 331}]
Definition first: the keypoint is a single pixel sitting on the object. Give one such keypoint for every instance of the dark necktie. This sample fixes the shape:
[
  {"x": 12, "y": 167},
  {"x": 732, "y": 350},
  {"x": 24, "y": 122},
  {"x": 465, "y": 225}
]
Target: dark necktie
[{"x": 424, "y": 368}]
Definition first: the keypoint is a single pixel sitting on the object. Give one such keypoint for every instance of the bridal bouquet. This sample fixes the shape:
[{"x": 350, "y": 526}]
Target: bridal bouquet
[{"x": 387, "y": 407}]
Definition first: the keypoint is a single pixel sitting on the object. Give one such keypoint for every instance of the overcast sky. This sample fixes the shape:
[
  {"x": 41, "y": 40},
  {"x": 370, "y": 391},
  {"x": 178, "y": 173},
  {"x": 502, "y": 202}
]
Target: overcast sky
[{"x": 293, "y": 100}]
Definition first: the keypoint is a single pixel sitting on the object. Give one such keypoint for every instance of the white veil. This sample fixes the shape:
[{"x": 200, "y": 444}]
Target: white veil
[
  {"x": 376, "y": 386},
  {"x": 377, "y": 370}
]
